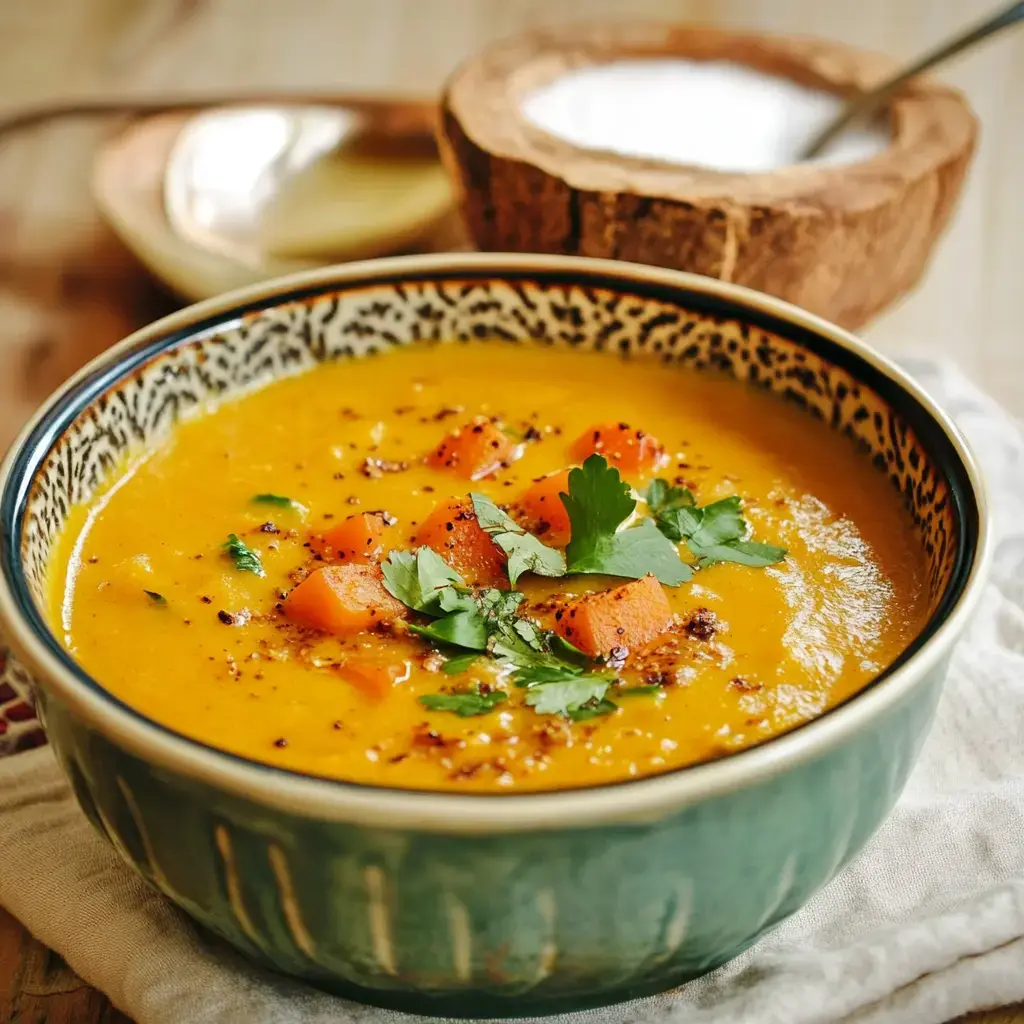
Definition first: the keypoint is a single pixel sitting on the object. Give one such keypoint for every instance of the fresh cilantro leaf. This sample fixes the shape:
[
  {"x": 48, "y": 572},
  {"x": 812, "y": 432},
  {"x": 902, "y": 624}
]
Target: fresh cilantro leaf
[
  {"x": 457, "y": 599},
  {"x": 566, "y": 695},
  {"x": 275, "y": 499},
  {"x": 527, "y": 647},
  {"x": 459, "y": 628},
  {"x": 635, "y": 553},
  {"x": 672, "y": 509},
  {"x": 637, "y": 691},
  {"x": 524, "y": 646},
  {"x": 679, "y": 523},
  {"x": 435, "y": 579},
  {"x": 598, "y": 502},
  {"x": 530, "y": 633},
  {"x": 459, "y": 663},
  {"x": 155, "y": 597},
  {"x": 662, "y": 497},
  {"x": 500, "y": 607},
  {"x": 713, "y": 533},
  {"x": 540, "y": 673},
  {"x": 513, "y": 640},
  {"x": 718, "y": 523},
  {"x": 554, "y": 688},
  {"x": 464, "y": 703},
  {"x": 525, "y": 552},
  {"x": 401, "y": 580},
  {"x": 425, "y": 582},
  {"x": 243, "y": 556},
  {"x": 512, "y": 650},
  {"x": 419, "y": 578},
  {"x": 745, "y": 552},
  {"x": 593, "y": 709}
]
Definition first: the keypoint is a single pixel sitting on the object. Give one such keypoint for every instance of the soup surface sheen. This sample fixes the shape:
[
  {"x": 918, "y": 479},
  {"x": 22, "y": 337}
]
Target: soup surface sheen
[{"x": 148, "y": 601}]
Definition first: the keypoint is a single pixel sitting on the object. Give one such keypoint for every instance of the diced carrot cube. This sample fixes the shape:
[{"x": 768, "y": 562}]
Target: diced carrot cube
[
  {"x": 626, "y": 617},
  {"x": 342, "y": 599},
  {"x": 453, "y": 532},
  {"x": 355, "y": 540},
  {"x": 476, "y": 450},
  {"x": 540, "y": 510},
  {"x": 623, "y": 446}
]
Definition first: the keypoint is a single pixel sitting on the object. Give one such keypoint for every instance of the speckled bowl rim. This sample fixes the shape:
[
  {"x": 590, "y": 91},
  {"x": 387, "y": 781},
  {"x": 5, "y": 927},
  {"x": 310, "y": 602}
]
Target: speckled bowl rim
[{"x": 630, "y": 801}]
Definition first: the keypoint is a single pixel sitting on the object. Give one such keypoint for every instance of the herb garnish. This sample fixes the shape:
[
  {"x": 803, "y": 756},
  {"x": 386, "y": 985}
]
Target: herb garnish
[
  {"x": 279, "y": 500},
  {"x": 558, "y": 678},
  {"x": 459, "y": 663},
  {"x": 156, "y": 598},
  {"x": 243, "y": 556},
  {"x": 417, "y": 578},
  {"x": 464, "y": 703},
  {"x": 423, "y": 581},
  {"x": 525, "y": 552},
  {"x": 592, "y": 709},
  {"x": 713, "y": 533},
  {"x": 459, "y": 622},
  {"x": 598, "y": 503},
  {"x": 568, "y": 691}
]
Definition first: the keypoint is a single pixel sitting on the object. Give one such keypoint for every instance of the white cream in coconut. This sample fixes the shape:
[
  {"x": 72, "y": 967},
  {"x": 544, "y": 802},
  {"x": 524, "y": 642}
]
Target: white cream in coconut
[{"x": 710, "y": 114}]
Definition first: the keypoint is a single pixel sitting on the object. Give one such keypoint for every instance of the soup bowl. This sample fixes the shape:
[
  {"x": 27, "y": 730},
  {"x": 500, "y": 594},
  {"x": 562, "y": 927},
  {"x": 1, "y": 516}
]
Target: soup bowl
[{"x": 488, "y": 905}]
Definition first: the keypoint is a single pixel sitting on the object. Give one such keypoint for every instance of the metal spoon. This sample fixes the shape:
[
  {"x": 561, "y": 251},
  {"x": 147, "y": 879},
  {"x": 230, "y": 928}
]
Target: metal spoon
[
  {"x": 383, "y": 115},
  {"x": 868, "y": 102}
]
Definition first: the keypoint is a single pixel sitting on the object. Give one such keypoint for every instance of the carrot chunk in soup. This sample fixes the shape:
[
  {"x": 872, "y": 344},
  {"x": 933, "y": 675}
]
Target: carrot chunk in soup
[
  {"x": 357, "y": 539},
  {"x": 625, "y": 447},
  {"x": 342, "y": 599},
  {"x": 475, "y": 450},
  {"x": 374, "y": 676},
  {"x": 628, "y": 616},
  {"x": 540, "y": 508},
  {"x": 454, "y": 533}
]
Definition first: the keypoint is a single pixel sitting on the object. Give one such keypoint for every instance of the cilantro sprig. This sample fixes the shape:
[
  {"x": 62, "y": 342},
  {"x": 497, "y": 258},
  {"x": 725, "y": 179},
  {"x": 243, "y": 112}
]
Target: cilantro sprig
[
  {"x": 464, "y": 703},
  {"x": 559, "y": 679},
  {"x": 244, "y": 557},
  {"x": 525, "y": 552},
  {"x": 425, "y": 582},
  {"x": 714, "y": 533},
  {"x": 567, "y": 691},
  {"x": 598, "y": 503}
]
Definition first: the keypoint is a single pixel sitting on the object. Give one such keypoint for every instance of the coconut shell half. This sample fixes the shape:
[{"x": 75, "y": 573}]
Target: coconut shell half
[{"x": 843, "y": 241}]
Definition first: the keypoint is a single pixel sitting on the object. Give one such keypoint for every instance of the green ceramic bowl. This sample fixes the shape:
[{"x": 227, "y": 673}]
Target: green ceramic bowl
[{"x": 489, "y": 905}]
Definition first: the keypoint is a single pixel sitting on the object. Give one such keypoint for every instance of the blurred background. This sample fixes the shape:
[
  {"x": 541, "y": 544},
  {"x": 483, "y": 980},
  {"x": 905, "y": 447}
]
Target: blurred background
[{"x": 68, "y": 288}]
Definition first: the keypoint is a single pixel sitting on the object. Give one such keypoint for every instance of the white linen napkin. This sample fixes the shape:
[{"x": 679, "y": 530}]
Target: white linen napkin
[{"x": 927, "y": 924}]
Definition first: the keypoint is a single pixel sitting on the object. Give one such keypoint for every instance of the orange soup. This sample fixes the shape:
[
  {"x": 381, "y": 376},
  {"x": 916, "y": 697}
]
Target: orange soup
[{"x": 491, "y": 567}]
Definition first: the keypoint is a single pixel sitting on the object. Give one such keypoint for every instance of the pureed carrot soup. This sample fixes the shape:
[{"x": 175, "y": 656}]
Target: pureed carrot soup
[{"x": 491, "y": 567}]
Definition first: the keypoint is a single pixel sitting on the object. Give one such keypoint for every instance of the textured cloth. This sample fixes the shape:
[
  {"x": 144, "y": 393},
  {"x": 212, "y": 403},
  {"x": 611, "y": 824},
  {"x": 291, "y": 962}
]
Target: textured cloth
[{"x": 926, "y": 924}]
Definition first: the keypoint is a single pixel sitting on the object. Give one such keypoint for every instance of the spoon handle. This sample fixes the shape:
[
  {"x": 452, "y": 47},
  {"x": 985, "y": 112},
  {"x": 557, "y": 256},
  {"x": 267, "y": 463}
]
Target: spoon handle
[
  {"x": 869, "y": 101},
  {"x": 399, "y": 115}
]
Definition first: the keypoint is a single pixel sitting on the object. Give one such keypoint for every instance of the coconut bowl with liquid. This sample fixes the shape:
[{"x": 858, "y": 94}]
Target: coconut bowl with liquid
[{"x": 675, "y": 146}]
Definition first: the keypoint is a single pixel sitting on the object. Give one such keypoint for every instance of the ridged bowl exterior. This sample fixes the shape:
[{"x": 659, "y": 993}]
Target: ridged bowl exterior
[{"x": 479, "y": 925}]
